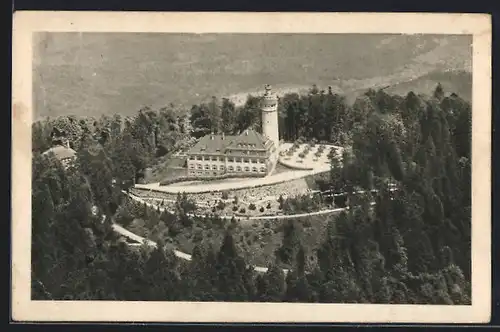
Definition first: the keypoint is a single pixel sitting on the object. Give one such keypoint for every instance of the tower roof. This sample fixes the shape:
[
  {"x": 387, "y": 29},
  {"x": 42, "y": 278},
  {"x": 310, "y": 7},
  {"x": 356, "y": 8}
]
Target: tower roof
[{"x": 269, "y": 98}]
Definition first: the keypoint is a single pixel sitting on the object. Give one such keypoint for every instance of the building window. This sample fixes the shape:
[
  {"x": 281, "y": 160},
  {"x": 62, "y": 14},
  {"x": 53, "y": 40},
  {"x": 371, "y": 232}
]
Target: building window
[
  {"x": 199, "y": 166},
  {"x": 214, "y": 166},
  {"x": 239, "y": 160},
  {"x": 191, "y": 158},
  {"x": 207, "y": 166},
  {"x": 191, "y": 166},
  {"x": 238, "y": 168},
  {"x": 254, "y": 169},
  {"x": 215, "y": 159},
  {"x": 200, "y": 172},
  {"x": 215, "y": 173},
  {"x": 199, "y": 158},
  {"x": 262, "y": 169},
  {"x": 221, "y": 168},
  {"x": 230, "y": 160},
  {"x": 247, "y": 169},
  {"x": 231, "y": 168},
  {"x": 246, "y": 160},
  {"x": 254, "y": 161}
]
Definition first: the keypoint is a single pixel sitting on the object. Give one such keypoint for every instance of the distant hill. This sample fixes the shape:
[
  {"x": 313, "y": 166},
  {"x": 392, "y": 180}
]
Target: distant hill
[
  {"x": 459, "y": 82},
  {"x": 95, "y": 73}
]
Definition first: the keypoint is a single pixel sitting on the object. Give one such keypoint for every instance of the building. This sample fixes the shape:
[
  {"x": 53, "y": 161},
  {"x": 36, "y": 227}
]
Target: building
[
  {"x": 61, "y": 149},
  {"x": 270, "y": 116},
  {"x": 63, "y": 153},
  {"x": 247, "y": 153}
]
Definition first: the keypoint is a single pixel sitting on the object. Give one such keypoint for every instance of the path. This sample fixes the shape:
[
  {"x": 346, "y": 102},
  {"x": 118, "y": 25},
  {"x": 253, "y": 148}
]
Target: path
[
  {"x": 282, "y": 216},
  {"x": 141, "y": 240}
]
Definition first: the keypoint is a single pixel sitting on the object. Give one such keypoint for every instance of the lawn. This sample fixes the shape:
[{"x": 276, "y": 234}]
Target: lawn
[{"x": 167, "y": 167}]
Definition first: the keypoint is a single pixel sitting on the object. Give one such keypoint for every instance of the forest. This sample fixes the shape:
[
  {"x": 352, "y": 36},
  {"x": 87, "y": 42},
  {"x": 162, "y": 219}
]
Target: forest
[{"x": 410, "y": 247}]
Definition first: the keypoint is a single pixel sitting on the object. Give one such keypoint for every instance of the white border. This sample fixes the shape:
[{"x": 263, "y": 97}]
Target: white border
[{"x": 25, "y": 23}]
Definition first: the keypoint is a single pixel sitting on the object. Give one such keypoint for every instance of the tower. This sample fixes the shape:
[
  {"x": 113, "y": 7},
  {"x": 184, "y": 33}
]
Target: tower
[{"x": 270, "y": 116}]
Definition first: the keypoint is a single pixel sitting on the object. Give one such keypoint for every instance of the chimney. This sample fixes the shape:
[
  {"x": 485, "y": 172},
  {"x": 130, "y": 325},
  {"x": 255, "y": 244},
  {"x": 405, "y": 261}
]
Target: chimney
[
  {"x": 222, "y": 135},
  {"x": 212, "y": 135},
  {"x": 246, "y": 132}
]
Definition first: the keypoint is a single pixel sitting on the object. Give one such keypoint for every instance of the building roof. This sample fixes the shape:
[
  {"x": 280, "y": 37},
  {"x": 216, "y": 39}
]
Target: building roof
[
  {"x": 249, "y": 140},
  {"x": 61, "y": 152},
  {"x": 211, "y": 144},
  {"x": 217, "y": 144}
]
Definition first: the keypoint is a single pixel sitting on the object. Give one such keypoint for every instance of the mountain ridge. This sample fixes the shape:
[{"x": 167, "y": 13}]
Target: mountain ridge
[{"x": 94, "y": 74}]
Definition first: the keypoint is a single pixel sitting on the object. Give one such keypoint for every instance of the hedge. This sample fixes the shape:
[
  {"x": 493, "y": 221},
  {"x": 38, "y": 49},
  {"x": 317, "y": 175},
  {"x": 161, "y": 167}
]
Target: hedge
[{"x": 210, "y": 178}]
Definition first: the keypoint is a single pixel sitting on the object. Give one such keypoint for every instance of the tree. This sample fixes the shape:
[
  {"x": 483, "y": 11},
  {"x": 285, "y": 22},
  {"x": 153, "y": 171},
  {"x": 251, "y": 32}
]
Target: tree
[
  {"x": 292, "y": 233},
  {"x": 271, "y": 285},
  {"x": 231, "y": 271},
  {"x": 228, "y": 116},
  {"x": 439, "y": 92}
]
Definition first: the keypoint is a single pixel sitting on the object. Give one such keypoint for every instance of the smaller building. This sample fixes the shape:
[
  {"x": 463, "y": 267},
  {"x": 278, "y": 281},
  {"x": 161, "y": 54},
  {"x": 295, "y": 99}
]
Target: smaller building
[{"x": 64, "y": 154}]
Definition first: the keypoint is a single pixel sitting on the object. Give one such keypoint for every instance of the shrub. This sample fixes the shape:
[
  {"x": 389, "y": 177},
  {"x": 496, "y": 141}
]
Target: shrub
[
  {"x": 302, "y": 155},
  {"x": 166, "y": 182},
  {"x": 261, "y": 209},
  {"x": 213, "y": 210},
  {"x": 242, "y": 210},
  {"x": 267, "y": 224},
  {"x": 221, "y": 205},
  {"x": 235, "y": 208},
  {"x": 252, "y": 206},
  {"x": 268, "y": 206},
  {"x": 225, "y": 195}
]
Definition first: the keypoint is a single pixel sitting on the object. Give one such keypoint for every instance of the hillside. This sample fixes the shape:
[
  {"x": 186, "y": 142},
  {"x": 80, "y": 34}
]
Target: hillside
[{"x": 93, "y": 74}]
